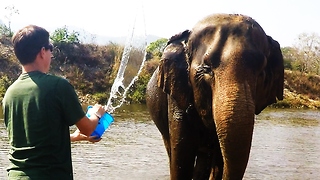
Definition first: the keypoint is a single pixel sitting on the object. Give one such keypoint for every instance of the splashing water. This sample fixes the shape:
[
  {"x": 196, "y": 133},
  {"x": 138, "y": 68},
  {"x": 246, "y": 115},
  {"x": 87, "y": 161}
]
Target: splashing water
[{"x": 132, "y": 61}]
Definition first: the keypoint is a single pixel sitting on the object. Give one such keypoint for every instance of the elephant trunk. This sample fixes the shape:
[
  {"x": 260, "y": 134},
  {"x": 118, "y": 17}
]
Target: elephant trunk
[{"x": 233, "y": 109}]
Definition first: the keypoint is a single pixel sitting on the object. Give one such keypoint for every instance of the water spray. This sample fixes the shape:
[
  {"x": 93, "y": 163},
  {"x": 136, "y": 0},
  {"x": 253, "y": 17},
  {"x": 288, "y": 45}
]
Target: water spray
[{"x": 119, "y": 90}]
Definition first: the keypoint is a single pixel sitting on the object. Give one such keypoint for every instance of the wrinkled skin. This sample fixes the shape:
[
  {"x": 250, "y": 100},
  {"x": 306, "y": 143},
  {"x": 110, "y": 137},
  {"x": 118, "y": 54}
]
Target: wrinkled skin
[{"x": 209, "y": 85}]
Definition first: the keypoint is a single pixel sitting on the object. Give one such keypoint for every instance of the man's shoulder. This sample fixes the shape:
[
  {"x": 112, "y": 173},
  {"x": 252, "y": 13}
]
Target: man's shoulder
[{"x": 58, "y": 79}]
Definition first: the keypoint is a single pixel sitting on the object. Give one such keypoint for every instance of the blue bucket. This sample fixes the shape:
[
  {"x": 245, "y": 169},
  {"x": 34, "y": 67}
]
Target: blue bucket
[{"x": 103, "y": 123}]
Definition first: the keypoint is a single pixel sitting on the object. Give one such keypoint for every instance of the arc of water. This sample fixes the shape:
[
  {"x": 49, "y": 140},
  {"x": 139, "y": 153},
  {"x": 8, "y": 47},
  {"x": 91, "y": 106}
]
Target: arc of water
[{"x": 118, "y": 82}]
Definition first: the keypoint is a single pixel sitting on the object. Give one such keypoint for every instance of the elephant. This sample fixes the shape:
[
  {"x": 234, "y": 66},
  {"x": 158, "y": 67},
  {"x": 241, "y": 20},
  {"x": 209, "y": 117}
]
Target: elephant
[{"x": 203, "y": 97}]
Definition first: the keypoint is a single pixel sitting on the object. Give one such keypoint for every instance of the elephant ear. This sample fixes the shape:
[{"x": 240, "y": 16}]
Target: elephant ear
[
  {"x": 271, "y": 80},
  {"x": 173, "y": 70}
]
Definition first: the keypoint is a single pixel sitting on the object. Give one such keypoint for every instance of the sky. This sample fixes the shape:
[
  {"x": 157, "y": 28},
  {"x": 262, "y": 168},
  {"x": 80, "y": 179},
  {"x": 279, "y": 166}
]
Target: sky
[{"x": 284, "y": 20}]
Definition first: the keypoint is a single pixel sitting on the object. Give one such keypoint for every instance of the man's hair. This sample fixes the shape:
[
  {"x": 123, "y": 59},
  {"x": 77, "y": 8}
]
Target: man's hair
[{"x": 28, "y": 41}]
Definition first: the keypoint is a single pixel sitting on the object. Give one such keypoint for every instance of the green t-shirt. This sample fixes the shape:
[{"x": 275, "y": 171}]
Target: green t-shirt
[{"x": 38, "y": 110}]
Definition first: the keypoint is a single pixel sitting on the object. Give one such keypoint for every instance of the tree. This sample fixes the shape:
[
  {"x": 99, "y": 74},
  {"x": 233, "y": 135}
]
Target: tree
[
  {"x": 62, "y": 35},
  {"x": 5, "y": 31},
  {"x": 288, "y": 57},
  {"x": 155, "y": 49},
  {"x": 11, "y": 11},
  {"x": 307, "y": 53}
]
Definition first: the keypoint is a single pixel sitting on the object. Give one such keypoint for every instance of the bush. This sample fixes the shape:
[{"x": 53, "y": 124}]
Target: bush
[
  {"x": 5, "y": 82},
  {"x": 62, "y": 35},
  {"x": 304, "y": 84},
  {"x": 101, "y": 98},
  {"x": 138, "y": 90},
  {"x": 5, "y": 31}
]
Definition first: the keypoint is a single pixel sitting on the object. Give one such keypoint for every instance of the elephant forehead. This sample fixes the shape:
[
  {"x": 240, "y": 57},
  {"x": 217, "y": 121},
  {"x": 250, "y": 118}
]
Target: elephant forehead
[
  {"x": 223, "y": 25},
  {"x": 225, "y": 19}
]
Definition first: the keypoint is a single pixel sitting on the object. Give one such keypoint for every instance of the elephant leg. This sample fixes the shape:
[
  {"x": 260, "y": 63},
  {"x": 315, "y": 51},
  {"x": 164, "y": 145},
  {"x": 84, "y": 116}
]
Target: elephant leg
[
  {"x": 203, "y": 164},
  {"x": 217, "y": 163},
  {"x": 183, "y": 144},
  {"x": 209, "y": 162}
]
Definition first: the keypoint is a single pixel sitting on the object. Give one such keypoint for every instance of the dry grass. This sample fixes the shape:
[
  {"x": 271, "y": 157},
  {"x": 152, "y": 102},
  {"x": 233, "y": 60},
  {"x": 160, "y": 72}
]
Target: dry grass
[
  {"x": 91, "y": 69},
  {"x": 300, "y": 91}
]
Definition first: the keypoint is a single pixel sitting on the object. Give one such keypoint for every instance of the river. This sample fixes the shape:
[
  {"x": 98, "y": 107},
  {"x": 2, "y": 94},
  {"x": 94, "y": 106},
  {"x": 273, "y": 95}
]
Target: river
[{"x": 286, "y": 145}]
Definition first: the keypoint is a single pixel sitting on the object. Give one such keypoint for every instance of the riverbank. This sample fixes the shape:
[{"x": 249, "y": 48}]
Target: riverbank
[
  {"x": 91, "y": 70},
  {"x": 297, "y": 101},
  {"x": 301, "y": 91},
  {"x": 291, "y": 100}
]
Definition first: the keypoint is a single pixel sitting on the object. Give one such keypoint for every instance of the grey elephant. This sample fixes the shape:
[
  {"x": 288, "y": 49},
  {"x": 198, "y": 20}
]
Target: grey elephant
[{"x": 204, "y": 95}]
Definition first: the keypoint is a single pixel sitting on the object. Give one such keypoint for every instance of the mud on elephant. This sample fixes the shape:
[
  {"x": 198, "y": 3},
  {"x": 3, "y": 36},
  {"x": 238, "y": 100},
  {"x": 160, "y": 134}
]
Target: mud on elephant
[{"x": 209, "y": 85}]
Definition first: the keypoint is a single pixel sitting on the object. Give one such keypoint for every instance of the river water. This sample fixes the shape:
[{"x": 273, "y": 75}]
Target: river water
[{"x": 286, "y": 145}]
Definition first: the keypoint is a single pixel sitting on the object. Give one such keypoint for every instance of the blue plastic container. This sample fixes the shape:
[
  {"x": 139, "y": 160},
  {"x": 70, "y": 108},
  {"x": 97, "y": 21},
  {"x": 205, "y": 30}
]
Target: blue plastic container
[{"x": 103, "y": 123}]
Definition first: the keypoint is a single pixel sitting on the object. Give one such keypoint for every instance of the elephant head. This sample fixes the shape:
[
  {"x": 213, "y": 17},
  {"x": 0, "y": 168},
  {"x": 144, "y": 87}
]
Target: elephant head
[{"x": 228, "y": 69}]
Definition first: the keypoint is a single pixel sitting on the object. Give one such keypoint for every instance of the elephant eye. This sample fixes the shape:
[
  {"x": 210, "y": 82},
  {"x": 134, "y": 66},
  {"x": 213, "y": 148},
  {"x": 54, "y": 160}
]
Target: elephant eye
[
  {"x": 203, "y": 69},
  {"x": 203, "y": 74},
  {"x": 207, "y": 69}
]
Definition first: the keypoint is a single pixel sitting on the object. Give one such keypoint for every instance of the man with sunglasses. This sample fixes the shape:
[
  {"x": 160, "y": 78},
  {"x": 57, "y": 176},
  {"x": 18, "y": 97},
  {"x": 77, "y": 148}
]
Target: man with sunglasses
[{"x": 38, "y": 110}]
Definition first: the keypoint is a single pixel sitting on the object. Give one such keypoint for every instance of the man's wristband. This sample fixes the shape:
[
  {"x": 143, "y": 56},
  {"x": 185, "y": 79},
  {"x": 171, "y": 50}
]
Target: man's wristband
[{"x": 97, "y": 115}]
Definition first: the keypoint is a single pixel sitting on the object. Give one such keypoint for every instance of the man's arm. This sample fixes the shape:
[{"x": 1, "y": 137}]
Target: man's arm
[{"x": 77, "y": 136}]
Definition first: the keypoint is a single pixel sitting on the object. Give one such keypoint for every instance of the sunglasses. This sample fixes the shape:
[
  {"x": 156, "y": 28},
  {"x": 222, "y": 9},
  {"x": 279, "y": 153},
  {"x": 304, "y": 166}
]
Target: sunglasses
[{"x": 48, "y": 46}]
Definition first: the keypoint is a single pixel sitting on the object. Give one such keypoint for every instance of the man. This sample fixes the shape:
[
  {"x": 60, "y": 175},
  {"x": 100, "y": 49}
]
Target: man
[{"x": 38, "y": 110}]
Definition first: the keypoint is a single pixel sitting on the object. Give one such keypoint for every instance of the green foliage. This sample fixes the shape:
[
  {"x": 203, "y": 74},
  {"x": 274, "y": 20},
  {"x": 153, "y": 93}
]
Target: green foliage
[
  {"x": 101, "y": 97},
  {"x": 62, "y": 35},
  {"x": 5, "y": 82},
  {"x": 287, "y": 64},
  {"x": 138, "y": 90},
  {"x": 288, "y": 54},
  {"x": 307, "y": 54},
  {"x": 10, "y": 11},
  {"x": 155, "y": 49},
  {"x": 5, "y": 31},
  {"x": 304, "y": 56}
]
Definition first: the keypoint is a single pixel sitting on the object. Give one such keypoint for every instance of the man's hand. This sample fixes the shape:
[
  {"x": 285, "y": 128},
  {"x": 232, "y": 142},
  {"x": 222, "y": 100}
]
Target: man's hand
[
  {"x": 98, "y": 110},
  {"x": 77, "y": 136}
]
